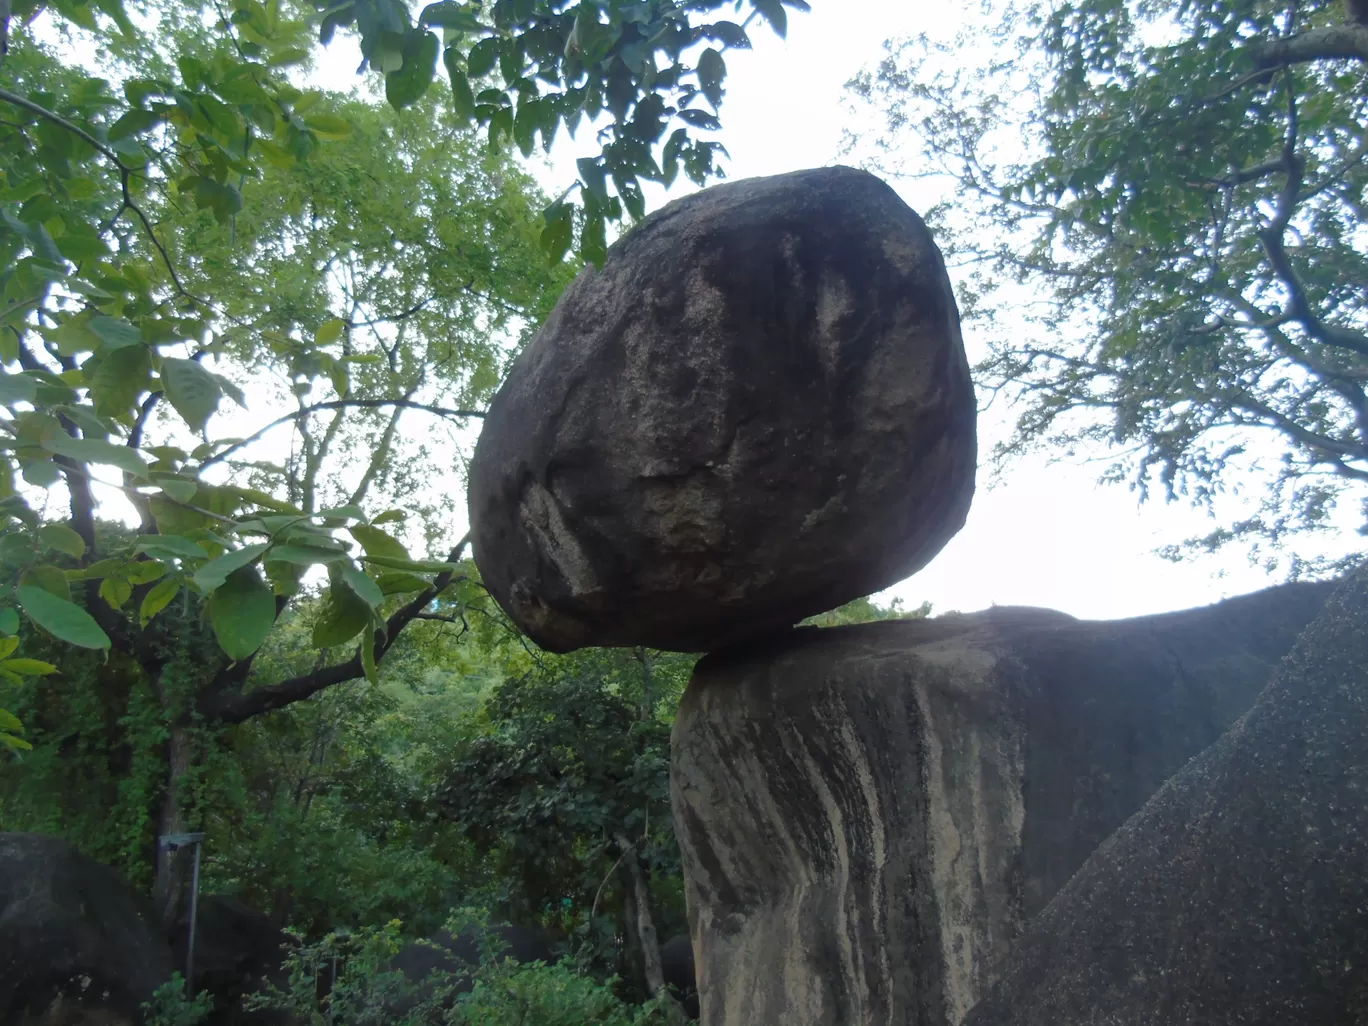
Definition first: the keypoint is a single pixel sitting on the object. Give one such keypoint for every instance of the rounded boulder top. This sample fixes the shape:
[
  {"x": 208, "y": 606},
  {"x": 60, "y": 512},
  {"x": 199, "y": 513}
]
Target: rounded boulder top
[{"x": 757, "y": 410}]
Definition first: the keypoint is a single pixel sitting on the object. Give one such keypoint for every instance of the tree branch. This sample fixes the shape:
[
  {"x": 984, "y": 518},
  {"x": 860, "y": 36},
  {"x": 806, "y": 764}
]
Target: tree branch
[
  {"x": 1333, "y": 42},
  {"x": 237, "y": 708},
  {"x": 338, "y": 404},
  {"x": 125, "y": 175}
]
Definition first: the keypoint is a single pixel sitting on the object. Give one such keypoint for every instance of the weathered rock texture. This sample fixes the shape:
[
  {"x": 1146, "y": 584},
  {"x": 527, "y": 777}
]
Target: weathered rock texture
[
  {"x": 77, "y": 944},
  {"x": 868, "y": 815},
  {"x": 757, "y": 410},
  {"x": 1239, "y": 894}
]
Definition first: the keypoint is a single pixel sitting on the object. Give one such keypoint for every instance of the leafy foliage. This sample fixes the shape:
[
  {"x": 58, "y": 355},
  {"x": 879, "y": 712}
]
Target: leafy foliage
[
  {"x": 572, "y": 756},
  {"x": 1190, "y": 200},
  {"x": 522, "y": 69},
  {"x": 346, "y": 979}
]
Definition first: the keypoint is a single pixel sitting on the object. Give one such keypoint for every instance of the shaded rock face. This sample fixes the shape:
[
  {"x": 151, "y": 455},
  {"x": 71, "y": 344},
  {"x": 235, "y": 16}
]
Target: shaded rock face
[
  {"x": 1239, "y": 893},
  {"x": 77, "y": 944},
  {"x": 758, "y": 409},
  {"x": 869, "y": 815}
]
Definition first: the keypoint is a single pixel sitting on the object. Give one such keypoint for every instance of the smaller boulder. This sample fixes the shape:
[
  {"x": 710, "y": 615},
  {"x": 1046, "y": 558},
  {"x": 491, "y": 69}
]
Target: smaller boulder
[
  {"x": 238, "y": 951},
  {"x": 78, "y": 945},
  {"x": 458, "y": 956}
]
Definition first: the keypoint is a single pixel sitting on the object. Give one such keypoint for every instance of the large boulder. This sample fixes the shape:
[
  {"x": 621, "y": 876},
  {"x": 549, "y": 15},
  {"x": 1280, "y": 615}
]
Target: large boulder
[
  {"x": 1239, "y": 894},
  {"x": 238, "y": 951},
  {"x": 869, "y": 815},
  {"x": 77, "y": 944},
  {"x": 757, "y": 410}
]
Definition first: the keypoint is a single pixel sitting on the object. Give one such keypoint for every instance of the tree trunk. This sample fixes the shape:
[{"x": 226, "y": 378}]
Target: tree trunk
[
  {"x": 642, "y": 925},
  {"x": 173, "y": 867}
]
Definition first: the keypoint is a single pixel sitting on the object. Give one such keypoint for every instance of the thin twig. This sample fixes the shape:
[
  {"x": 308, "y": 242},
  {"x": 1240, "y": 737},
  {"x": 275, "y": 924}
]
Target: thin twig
[{"x": 125, "y": 174}]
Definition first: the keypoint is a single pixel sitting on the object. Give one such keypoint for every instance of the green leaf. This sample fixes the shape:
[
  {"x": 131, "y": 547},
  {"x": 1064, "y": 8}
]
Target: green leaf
[
  {"x": 9, "y": 621},
  {"x": 330, "y": 332},
  {"x": 389, "y": 516},
  {"x": 41, "y": 473},
  {"x": 342, "y": 618},
  {"x": 158, "y": 599},
  {"x": 144, "y": 571},
  {"x": 405, "y": 87},
  {"x": 117, "y": 378},
  {"x": 116, "y": 591},
  {"x": 773, "y": 12},
  {"x": 462, "y": 96},
  {"x": 215, "y": 572},
  {"x": 449, "y": 14},
  {"x": 10, "y": 741},
  {"x": 62, "y": 539},
  {"x": 50, "y": 578},
  {"x": 483, "y": 56},
  {"x": 114, "y": 333},
  {"x": 17, "y": 388},
  {"x": 305, "y": 555},
  {"x": 348, "y": 512},
  {"x": 421, "y": 566},
  {"x": 170, "y": 545},
  {"x": 377, "y": 543},
  {"x": 329, "y": 127},
  {"x": 177, "y": 488},
  {"x": 559, "y": 233},
  {"x": 64, "y": 620},
  {"x": 712, "y": 69},
  {"x": 242, "y": 612},
  {"x": 7, "y": 647},
  {"x": 29, "y": 667},
  {"x": 97, "y": 450},
  {"x": 364, "y": 588},
  {"x": 402, "y": 583},
  {"x": 192, "y": 390},
  {"x": 8, "y": 721}
]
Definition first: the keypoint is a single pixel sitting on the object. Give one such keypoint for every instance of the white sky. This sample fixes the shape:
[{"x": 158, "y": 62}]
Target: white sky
[{"x": 1046, "y": 534}]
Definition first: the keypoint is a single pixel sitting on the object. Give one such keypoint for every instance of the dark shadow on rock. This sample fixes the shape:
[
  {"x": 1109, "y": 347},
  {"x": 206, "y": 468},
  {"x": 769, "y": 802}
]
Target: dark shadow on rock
[{"x": 677, "y": 962}]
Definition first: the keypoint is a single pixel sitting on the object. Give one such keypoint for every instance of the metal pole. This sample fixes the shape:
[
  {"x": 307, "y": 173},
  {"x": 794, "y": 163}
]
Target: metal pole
[
  {"x": 194, "y": 904},
  {"x": 172, "y": 843}
]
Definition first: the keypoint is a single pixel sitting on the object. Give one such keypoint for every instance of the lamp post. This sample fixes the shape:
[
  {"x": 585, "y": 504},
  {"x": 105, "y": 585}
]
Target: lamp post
[{"x": 174, "y": 842}]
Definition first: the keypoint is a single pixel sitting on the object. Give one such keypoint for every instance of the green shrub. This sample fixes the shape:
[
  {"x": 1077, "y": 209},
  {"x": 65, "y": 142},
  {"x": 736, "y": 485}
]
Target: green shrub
[
  {"x": 171, "y": 1007},
  {"x": 345, "y": 979}
]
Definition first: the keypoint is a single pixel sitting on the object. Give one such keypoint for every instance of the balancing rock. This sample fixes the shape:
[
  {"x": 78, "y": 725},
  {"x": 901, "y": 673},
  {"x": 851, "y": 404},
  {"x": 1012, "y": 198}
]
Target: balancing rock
[
  {"x": 869, "y": 816},
  {"x": 757, "y": 410}
]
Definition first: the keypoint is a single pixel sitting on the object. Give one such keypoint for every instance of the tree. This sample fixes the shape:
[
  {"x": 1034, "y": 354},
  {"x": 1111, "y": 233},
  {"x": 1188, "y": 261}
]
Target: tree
[
  {"x": 180, "y": 232},
  {"x": 567, "y": 788},
  {"x": 1189, "y": 199}
]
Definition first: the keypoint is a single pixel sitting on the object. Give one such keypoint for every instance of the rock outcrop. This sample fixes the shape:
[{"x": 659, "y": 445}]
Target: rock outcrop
[
  {"x": 77, "y": 944},
  {"x": 758, "y": 410},
  {"x": 1239, "y": 894},
  {"x": 869, "y": 815}
]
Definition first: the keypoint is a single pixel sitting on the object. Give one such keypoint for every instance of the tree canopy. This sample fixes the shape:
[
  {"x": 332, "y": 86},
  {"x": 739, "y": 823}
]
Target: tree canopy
[{"x": 1184, "y": 183}]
